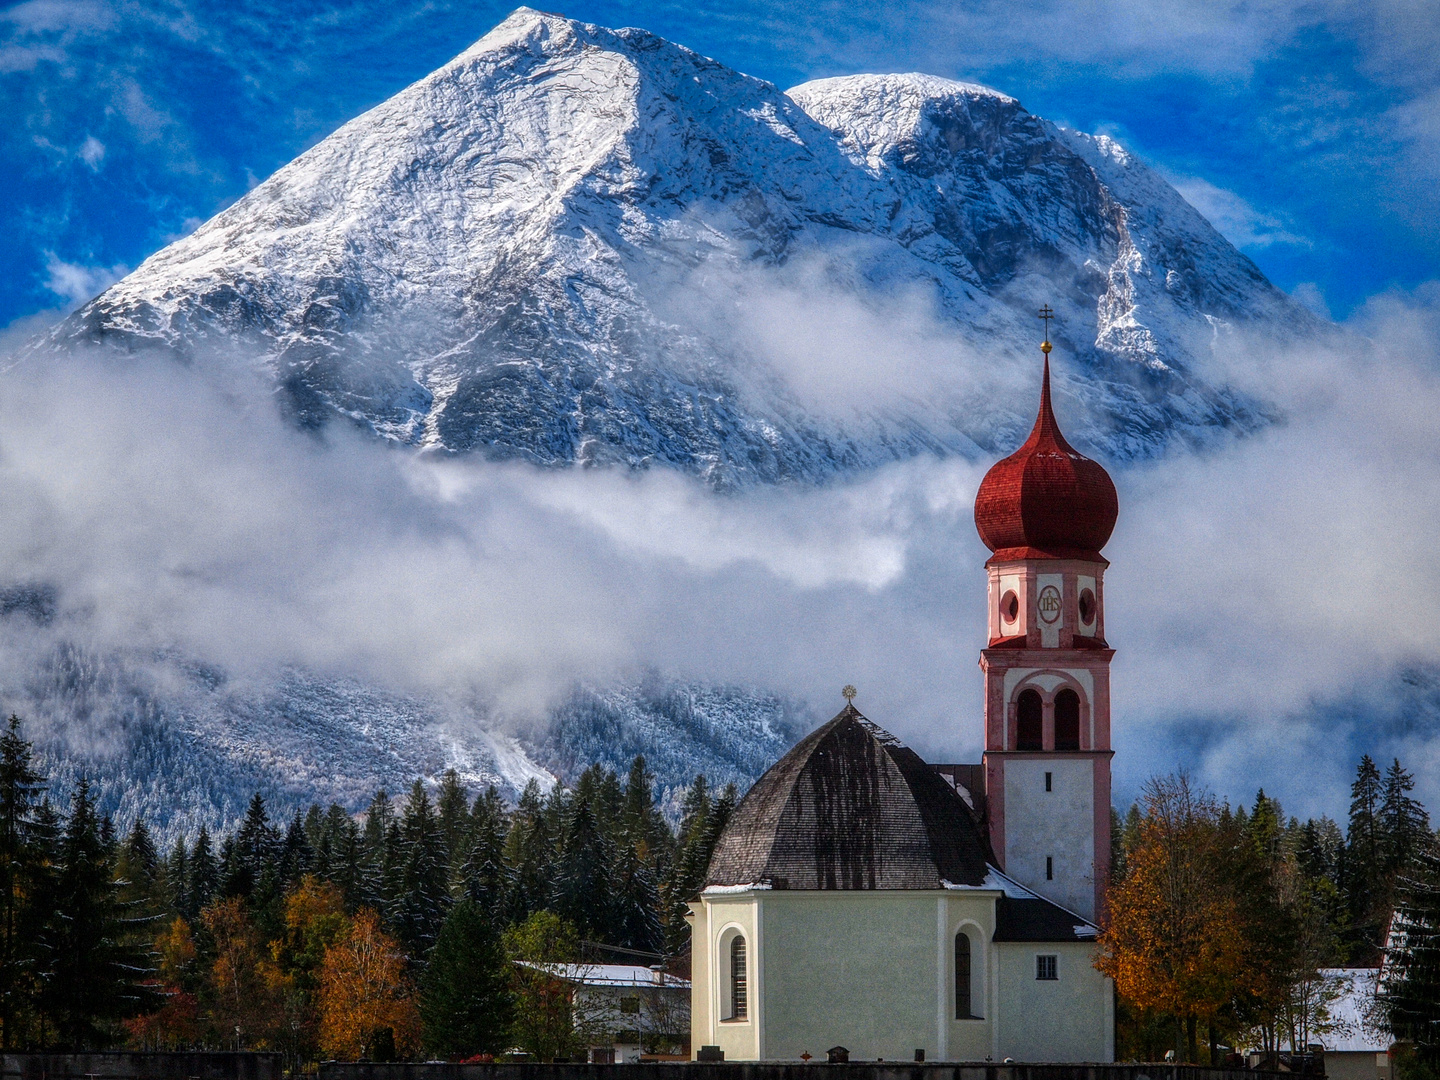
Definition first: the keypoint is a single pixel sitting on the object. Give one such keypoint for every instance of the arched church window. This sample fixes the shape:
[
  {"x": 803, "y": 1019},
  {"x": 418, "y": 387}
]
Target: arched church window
[
  {"x": 1029, "y": 712},
  {"x": 739, "y": 993},
  {"x": 1067, "y": 720},
  {"x": 963, "y": 1004}
]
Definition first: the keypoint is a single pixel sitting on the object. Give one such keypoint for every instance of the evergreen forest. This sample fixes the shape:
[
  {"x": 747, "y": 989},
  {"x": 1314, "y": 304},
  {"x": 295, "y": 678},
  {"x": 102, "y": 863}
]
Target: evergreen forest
[
  {"x": 388, "y": 935},
  {"x": 435, "y": 923}
]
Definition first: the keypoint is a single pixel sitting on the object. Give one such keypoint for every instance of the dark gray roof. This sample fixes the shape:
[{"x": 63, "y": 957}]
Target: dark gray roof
[
  {"x": 850, "y": 807},
  {"x": 1038, "y": 920}
]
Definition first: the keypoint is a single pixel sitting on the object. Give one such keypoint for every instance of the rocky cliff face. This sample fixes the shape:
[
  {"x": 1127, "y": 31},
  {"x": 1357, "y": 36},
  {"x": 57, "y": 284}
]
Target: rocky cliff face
[{"x": 523, "y": 254}]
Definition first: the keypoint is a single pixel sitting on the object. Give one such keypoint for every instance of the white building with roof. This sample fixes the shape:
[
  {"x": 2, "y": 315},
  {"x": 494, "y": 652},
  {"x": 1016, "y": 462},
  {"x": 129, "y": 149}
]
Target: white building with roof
[
  {"x": 623, "y": 1009},
  {"x": 1353, "y": 1050},
  {"x": 862, "y": 898}
]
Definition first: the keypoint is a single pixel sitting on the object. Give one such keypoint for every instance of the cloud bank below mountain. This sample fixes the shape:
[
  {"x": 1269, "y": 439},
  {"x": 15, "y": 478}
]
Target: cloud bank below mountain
[{"x": 1258, "y": 590}]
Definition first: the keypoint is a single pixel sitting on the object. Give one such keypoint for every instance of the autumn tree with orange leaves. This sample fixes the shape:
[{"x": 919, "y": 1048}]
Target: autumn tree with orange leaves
[
  {"x": 367, "y": 1007},
  {"x": 1176, "y": 940}
]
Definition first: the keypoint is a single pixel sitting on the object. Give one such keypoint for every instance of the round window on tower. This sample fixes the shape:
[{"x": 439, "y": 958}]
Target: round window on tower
[
  {"x": 1087, "y": 606},
  {"x": 1009, "y": 606}
]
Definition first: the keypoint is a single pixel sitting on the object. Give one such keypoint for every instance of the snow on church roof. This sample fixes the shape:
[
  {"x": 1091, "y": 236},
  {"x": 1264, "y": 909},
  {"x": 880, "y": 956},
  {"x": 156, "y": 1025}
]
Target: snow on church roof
[{"x": 850, "y": 807}]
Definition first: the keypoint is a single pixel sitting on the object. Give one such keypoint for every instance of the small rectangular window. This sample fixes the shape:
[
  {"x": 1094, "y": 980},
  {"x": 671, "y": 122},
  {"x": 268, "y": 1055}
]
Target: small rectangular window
[
  {"x": 1049, "y": 777},
  {"x": 629, "y": 1004},
  {"x": 1045, "y": 967},
  {"x": 1049, "y": 868}
]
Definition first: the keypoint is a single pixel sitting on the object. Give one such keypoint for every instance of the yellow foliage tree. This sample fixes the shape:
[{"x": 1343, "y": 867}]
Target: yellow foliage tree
[
  {"x": 244, "y": 991},
  {"x": 366, "y": 1001},
  {"x": 1175, "y": 940}
]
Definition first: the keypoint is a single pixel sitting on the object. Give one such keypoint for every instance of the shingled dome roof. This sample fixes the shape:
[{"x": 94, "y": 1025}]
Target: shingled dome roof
[{"x": 850, "y": 807}]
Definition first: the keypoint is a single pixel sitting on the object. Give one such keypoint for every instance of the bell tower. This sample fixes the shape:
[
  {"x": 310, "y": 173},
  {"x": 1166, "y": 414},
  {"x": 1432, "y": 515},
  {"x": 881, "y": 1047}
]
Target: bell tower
[{"x": 1045, "y": 512}]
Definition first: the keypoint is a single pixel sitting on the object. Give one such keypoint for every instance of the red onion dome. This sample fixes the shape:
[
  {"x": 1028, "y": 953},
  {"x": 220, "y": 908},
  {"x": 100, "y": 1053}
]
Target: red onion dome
[{"x": 1046, "y": 500}]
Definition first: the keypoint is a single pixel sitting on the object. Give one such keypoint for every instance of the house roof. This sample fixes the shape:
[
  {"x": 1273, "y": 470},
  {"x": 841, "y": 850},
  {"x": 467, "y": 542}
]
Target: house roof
[
  {"x": 850, "y": 807},
  {"x": 615, "y": 975},
  {"x": 1347, "y": 1012}
]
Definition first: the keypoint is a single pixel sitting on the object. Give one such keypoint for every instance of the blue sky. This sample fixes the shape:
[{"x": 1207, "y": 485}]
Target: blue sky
[{"x": 1309, "y": 132}]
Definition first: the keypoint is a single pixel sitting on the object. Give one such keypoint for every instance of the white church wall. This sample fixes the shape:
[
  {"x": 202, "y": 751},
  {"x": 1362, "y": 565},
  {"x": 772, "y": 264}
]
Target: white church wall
[
  {"x": 855, "y": 969},
  {"x": 1058, "y": 825},
  {"x": 1068, "y": 1018},
  {"x": 968, "y": 1040},
  {"x": 716, "y": 921}
]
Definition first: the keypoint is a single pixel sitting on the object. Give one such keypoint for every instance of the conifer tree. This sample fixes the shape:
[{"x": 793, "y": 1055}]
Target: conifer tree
[
  {"x": 376, "y": 851},
  {"x": 21, "y": 791},
  {"x": 465, "y": 1001},
  {"x": 423, "y": 893},
  {"x": 635, "y": 907},
  {"x": 529, "y": 852},
  {"x": 91, "y": 978},
  {"x": 139, "y": 869},
  {"x": 1365, "y": 891},
  {"x": 692, "y": 859},
  {"x": 452, "y": 805},
  {"x": 176, "y": 875},
  {"x": 485, "y": 877},
  {"x": 347, "y": 854},
  {"x": 1404, "y": 824},
  {"x": 1409, "y": 993},
  {"x": 204, "y": 876},
  {"x": 582, "y": 892}
]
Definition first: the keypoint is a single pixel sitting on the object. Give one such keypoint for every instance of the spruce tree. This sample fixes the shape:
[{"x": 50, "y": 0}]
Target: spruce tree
[
  {"x": 1404, "y": 824},
  {"x": 296, "y": 856},
  {"x": 377, "y": 854},
  {"x": 465, "y": 1000},
  {"x": 204, "y": 882},
  {"x": 452, "y": 804},
  {"x": 529, "y": 852},
  {"x": 139, "y": 869},
  {"x": 91, "y": 977},
  {"x": 176, "y": 878},
  {"x": 1366, "y": 894},
  {"x": 21, "y": 866},
  {"x": 485, "y": 877},
  {"x": 692, "y": 859},
  {"x": 1409, "y": 992},
  {"x": 635, "y": 908},
  {"x": 582, "y": 890},
  {"x": 347, "y": 860},
  {"x": 422, "y": 896}
]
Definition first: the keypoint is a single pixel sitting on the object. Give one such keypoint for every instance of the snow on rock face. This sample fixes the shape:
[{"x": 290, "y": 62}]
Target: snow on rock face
[{"x": 502, "y": 257}]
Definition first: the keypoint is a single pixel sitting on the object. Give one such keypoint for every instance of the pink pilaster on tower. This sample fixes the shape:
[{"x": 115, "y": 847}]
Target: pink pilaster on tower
[{"x": 1045, "y": 512}]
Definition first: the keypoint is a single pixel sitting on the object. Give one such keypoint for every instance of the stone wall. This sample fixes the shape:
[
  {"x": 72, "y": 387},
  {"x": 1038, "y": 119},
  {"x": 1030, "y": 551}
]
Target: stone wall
[
  {"x": 128, "y": 1065},
  {"x": 867, "y": 1070}
]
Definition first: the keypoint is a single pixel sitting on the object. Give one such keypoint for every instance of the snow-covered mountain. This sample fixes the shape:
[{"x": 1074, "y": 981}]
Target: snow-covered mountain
[
  {"x": 580, "y": 245},
  {"x": 538, "y": 251},
  {"x": 183, "y": 743}
]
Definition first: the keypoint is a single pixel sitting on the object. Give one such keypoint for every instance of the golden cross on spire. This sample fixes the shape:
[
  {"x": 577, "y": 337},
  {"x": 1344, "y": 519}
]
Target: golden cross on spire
[
  {"x": 848, "y": 693},
  {"x": 1046, "y": 314}
]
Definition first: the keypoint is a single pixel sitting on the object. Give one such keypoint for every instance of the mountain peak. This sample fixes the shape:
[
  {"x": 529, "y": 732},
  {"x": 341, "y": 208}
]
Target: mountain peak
[{"x": 534, "y": 252}]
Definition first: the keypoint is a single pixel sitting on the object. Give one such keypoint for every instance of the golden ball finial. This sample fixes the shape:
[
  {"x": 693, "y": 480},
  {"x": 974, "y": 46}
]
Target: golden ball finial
[
  {"x": 1045, "y": 347},
  {"x": 848, "y": 693}
]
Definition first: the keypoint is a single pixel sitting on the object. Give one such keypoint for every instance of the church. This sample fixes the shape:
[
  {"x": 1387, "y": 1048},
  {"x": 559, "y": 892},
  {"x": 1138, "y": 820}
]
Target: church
[{"x": 862, "y": 898}]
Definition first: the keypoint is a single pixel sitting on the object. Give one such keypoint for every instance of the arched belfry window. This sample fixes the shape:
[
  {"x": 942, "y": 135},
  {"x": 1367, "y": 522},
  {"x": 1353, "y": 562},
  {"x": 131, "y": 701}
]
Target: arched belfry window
[
  {"x": 738, "y": 990},
  {"x": 964, "y": 1003},
  {"x": 1029, "y": 715},
  {"x": 1067, "y": 720}
]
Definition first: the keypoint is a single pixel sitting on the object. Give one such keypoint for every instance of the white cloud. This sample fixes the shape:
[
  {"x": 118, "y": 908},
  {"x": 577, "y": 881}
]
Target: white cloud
[
  {"x": 78, "y": 283},
  {"x": 92, "y": 152},
  {"x": 1247, "y": 583},
  {"x": 1234, "y": 218}
]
